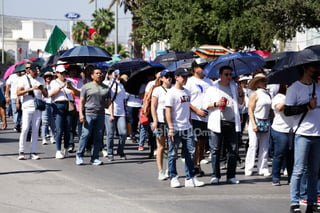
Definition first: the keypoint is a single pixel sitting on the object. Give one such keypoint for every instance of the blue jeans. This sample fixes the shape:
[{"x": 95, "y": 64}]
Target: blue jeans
[
  {"x": 133, "y": 113},
  {"x": 306, "y": 159},
  {"x": 143, "y": 133},
  {"x": 229, "y": 138},
  {"x": 120, "y": 123},
  {"x": 17, "y": 114},
  {"x": 93, "y": 127},
  {"x": 186, "y": 137},
  {"x": 63, "y": 124},
  {"x": 281, "y": 154},
  {"x": 48, "y": 122}
]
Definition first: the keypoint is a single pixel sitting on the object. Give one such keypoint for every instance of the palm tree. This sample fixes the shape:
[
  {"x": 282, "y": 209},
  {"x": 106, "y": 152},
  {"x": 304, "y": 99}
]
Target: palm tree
[
  {"x": 103, "y": 22},
  {"x": 80, "y": 32},
  {"x": 132, "y": 6}
]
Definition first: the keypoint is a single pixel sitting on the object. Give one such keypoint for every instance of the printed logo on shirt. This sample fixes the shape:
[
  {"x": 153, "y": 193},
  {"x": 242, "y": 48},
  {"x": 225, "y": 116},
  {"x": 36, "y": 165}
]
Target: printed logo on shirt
[
  {"x": 184, "y": 99},
  {"x": 200, "y": 87}
]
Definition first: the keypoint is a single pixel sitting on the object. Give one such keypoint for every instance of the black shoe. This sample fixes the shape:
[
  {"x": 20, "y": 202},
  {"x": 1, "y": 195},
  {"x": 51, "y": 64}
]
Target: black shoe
[
  {"x": 295, "y": 209},
  {"x": 198, "y": 172},
  {"x": 71, "y": 148},
  {"x": 313, "y": 208},
  {"x": 123, "y": 157}
]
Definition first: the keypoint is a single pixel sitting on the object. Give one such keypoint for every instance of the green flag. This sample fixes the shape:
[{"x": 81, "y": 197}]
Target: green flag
[{"x": 56, "y": 40}]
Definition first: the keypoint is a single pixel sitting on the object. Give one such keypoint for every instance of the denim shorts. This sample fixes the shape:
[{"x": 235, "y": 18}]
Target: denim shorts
[{"x": 161, "y": 130}]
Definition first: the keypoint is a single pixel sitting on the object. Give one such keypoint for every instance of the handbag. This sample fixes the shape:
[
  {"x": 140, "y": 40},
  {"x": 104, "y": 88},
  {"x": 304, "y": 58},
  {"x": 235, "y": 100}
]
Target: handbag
[
  {"x": 39, "y": 104},
  {"x": 263, "y": 125},
  {"x": 143, "y": 119},
  {"x": 71, "y": 106}
]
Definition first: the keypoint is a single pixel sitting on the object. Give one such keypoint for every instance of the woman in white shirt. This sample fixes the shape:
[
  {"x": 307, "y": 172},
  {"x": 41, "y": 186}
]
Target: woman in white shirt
[
  {"x": 159, "y": 126},
  {"x": 258, "y": 128}
]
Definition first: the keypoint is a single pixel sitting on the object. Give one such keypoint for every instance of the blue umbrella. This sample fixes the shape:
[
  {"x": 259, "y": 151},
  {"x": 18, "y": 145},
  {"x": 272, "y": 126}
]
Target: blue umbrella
[
  {"x": 128, "y": 66},
  {"x": 103, "y": 65},
  {"x": 241, "y": 63},
  {"x": 85, "y": 54}
]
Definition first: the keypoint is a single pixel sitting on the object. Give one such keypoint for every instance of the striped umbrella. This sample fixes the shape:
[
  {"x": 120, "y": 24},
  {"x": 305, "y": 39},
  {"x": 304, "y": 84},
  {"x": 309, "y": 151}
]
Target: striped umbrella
[{"x": 212, "y": 51}]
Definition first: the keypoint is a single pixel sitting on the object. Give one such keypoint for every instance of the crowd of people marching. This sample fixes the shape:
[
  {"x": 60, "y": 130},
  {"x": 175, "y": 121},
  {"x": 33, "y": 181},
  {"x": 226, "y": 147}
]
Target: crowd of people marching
[{"x": 175, "y": 107}]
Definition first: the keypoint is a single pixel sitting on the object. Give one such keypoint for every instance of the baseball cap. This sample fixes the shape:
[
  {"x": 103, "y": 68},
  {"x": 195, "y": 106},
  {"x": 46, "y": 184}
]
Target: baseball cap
[
  {"x": 35, "y": 67},
  {"x": 164, "y": 72},
  {"x": 60, "y": 68},
  {"x": 199, "y": 62},
  {"x": 182, "y": 72}
]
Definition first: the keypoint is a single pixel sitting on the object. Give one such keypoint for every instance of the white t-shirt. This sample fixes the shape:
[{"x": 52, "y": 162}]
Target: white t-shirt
[
  {"x": 12, "y": 81},
  {"x": 149, "y": 85},
  {"x": 298, "y": 94},
  {"x": 134, "y": 101},
  {"x": 179, "y": 101},
  {"x": 281, "y": 123},
  {"x": 119, "y": 101},
  {"x": 161, "y": 93},
  {"x": 64, "y": 94},
  {"x": 28, "y": 100},
  {"x": 263, "y": 104},
  {"x": 198, "y": 88}
]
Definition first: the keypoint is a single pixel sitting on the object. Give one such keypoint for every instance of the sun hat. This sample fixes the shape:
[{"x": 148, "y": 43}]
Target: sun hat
[
  {"x": 60, "y": 68},
  {"x": 244, "y": 78},
  {"x": 48, "y": 73},
  {"x": 19, "y": 68},
  {"x": 253, "y": 83},
  {"x": 182, "y": 72}
]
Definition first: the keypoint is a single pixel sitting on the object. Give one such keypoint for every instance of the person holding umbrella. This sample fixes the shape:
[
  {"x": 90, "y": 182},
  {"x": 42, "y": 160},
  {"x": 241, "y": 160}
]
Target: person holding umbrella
[{"x": 302, "y": 103}]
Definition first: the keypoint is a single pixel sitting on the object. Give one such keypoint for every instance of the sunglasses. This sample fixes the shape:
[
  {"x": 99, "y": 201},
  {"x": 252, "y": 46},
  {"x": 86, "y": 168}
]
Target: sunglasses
[{"x": 167, "y": 76}]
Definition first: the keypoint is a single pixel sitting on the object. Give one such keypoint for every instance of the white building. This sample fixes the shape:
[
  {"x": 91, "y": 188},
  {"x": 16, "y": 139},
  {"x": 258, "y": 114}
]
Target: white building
[{"x": 302, "y": 40}]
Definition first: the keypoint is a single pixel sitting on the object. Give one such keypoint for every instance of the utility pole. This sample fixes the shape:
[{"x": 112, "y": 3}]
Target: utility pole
[
  {"x": 116, "y": 28},
  {"x": 2, "y": 32}
]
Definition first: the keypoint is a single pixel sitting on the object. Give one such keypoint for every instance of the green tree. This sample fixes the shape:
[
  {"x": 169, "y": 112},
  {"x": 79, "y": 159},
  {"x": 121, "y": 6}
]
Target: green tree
[
  {"x": 80, "y": 32},
  {"x": 121, "y": 49}
]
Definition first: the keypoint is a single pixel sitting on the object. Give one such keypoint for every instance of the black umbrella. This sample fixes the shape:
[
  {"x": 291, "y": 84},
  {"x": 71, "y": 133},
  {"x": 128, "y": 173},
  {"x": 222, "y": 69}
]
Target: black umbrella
[
  {"x": 85, "y": 54},
  {"x": 170, "y": 57},
  {"x": 128, "y": 66},
  {"x": 286, "y": 70},
  {"x": 274, "y": 58},
  {"x": 141, "y": 77}
]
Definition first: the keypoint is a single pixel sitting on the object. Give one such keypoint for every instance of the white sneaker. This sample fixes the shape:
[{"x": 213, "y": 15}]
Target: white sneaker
[
  {"x": 21, "y": 156},
  {"x": 204, "y": 161},
  {"x": 34, "y": 156},
  {"x": 265, "y": 173},
  {"x": 59, "y": 155},
  {"x": 174, "y": 183},
  {"x": 162, "y": 176},
  {"x": 248, "y": 173},
  {"x": 104, "y": 153},
  {"x": 193, "y": 182},
  {"x": 44, "y": 142},
  {"x": 52, "y": 140},
  {"x": 233, "y": 181},
  {"x": 214, "y": 180}
]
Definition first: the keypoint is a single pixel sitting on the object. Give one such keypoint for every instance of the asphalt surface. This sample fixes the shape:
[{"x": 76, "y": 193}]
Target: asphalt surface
[{"x": 52, "y": 185}]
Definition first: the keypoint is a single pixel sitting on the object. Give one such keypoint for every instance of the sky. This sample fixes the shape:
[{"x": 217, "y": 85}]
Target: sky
[{"x": 53, "y": 12}]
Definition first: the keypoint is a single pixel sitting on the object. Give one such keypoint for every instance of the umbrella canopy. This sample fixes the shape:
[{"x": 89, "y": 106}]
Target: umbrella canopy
[
  {"x": 184, "y": 63},
  {"x": 286, "y": 70},
  {"x": 170, "y": 57},
  {"x": 262, "y": 53},
  {"x": 274, "y": 58},
  {"x": 212, "y": 51},
  {"x": 141, "y": 77},
  {"x": 241, "y": 63},
  {"x": 128, "y": 66},
  {"x": 85, "y": 54}
]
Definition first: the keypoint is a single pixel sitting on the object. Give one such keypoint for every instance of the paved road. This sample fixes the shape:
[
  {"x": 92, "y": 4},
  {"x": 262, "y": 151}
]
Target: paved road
[{"x": 51, "y": 185}]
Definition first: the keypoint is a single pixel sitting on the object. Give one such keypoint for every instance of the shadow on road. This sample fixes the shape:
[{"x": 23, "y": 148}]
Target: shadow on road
[{"x": 28, "y": 171}]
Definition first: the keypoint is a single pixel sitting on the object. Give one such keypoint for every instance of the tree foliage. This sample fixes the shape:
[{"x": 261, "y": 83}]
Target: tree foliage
[
  {"x": 80, "y": 32},
  {"x": 103, "y": 22},
  {"x": 232, "y": 23}
]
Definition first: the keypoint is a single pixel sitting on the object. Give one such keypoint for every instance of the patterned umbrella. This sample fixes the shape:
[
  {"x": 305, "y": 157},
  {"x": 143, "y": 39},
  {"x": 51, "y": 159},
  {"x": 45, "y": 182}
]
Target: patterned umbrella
[{"x": 212, "y": 51}]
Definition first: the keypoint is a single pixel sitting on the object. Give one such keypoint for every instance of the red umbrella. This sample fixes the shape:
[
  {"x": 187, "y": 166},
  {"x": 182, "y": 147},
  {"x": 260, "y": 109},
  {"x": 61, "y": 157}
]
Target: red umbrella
[{"x": 262, "y": 53}]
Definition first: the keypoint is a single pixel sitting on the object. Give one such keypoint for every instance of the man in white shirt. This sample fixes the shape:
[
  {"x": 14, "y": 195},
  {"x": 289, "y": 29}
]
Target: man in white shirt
[
  {"x": 11, "y": 94},
  {"x": 30, "y": 87},
  {"x": 177, "y": 113}
]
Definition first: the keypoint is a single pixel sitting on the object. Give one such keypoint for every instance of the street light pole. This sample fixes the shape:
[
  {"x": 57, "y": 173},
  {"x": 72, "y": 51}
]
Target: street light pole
[
  {"x": 116, "y": 29},
  {"x": 2, "y": 33}
]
